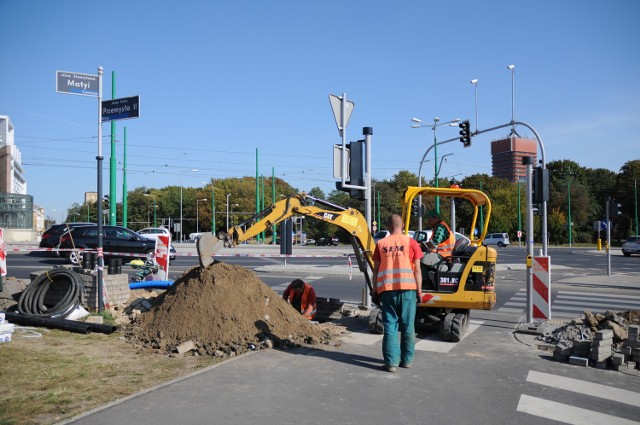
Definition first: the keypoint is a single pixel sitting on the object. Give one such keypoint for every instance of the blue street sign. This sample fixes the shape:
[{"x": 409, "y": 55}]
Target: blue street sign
[{"x": 121, "y": 109}]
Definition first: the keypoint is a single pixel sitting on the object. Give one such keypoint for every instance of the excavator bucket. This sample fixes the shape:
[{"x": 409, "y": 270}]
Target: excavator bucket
[{"x": 207, "y": 245}]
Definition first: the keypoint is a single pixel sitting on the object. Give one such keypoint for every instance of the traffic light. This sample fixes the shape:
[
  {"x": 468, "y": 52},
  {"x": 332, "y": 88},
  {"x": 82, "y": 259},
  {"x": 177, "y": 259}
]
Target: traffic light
[
  {"x": 356, "y": 170},
  {"x": 465, "y": 134},
  {"x": 415, "y": 208},
  {"x": 615, "y": 209},
  {"x": 540, "y": 186}
]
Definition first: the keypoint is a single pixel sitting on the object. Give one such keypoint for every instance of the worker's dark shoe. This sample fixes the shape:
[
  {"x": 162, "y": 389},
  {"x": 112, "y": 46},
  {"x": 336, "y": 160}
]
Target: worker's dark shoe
[
  {"x": 406, "y": 365},
  {"x": 389, "y": 368}
]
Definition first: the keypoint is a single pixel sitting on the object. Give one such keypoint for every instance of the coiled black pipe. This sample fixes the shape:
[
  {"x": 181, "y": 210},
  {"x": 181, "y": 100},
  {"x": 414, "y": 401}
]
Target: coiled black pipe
[{"x": 32, "y": 299}]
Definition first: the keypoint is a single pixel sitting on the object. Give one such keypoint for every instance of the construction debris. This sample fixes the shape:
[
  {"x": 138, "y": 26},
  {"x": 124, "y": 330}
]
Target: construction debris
[
  {"x": 222, "y": 308},
  {"x": 608, "y": 340}
]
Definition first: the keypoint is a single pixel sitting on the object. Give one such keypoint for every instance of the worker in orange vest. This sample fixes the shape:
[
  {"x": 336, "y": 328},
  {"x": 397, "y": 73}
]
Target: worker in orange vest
[
  {"x": 396, "y": 272},
  {"x": 442, "y": 242},
  {"x": 302, "y": 297}
]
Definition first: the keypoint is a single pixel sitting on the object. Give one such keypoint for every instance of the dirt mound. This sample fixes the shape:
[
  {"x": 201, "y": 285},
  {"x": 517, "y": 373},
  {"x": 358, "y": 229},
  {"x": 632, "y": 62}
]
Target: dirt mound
[{"x": 224, "y": 309}]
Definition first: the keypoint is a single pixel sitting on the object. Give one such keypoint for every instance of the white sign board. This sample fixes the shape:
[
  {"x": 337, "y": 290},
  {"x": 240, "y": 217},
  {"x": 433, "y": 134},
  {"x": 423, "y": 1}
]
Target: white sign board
[
  {"x": 336, "y": 106},
  {"x": 337, "y": 162}
]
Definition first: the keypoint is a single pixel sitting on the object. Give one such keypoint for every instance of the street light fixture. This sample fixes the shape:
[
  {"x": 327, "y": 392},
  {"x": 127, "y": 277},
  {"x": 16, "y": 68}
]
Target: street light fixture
[
  {"x": 436, "y": 123},
  {"x": 197, "y": 214}
]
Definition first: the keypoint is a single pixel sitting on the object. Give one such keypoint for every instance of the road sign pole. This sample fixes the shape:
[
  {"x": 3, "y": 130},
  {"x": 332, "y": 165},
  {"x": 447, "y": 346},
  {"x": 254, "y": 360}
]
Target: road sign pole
[
  {"x": 343, "y": 131},
  {"x": 99, "y": 158},
  {"x": 112, "y": 163},
  {"x": 608, "y": 236},
  {"x": 529, "y": 238}
]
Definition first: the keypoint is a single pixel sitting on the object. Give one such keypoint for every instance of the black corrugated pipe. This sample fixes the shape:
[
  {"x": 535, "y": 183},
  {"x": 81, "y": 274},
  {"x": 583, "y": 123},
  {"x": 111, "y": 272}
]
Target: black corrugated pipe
[
  {"x": 64, "y": 324},
  {"x": 32, "y": 298}
]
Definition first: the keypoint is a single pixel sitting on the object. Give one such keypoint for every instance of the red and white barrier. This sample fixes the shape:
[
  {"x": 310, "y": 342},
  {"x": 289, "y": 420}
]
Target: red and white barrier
[
  {"x": 3, "y": 256},
  {"x": 541, "y": 294}
]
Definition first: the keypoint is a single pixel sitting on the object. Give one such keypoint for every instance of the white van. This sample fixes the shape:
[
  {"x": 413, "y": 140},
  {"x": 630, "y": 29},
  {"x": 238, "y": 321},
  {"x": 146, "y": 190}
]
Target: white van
[{"x": 500, "y": 239}]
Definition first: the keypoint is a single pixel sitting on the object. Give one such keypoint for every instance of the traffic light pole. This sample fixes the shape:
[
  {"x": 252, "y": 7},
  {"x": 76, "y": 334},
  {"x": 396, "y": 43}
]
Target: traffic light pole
[
  {"x": 542, "y": 154},
  {"x": 608, "y": 202}
]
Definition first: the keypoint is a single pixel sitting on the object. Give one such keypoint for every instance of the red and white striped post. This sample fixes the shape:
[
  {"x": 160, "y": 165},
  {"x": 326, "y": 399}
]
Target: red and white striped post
[{"x": 541, "y": 294}]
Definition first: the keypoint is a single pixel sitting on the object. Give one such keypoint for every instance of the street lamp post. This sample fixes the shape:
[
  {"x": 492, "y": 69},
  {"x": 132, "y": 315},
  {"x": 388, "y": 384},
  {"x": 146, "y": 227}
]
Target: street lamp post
[
  {"x": 228, "y": 194},
  {"x": 155, "y": 207},
  {"x": 436, "y": 123},
  {"x": 197, "y": 214},
  {"x": 475, "y": 90}
]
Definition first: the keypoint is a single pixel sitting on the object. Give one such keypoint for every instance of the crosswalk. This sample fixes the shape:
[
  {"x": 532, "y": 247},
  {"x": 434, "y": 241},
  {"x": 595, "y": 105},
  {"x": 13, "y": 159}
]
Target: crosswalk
[
  {"x": 571, "y": 414},
  {"x": 431, "y": 343},
  {"x": 569, "y": 304}
]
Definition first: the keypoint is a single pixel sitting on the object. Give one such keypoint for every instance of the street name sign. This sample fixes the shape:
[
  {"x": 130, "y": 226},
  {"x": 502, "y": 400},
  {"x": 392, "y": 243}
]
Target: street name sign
[
  {"x": 121, "y": 109},
  {"x": 76, "y": 83}
]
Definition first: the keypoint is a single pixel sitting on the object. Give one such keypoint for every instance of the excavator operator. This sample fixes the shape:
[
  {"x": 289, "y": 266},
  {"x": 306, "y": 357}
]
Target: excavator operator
[
  {"x": 442, "y": 241},
  {"x": 302, "y": 297}
]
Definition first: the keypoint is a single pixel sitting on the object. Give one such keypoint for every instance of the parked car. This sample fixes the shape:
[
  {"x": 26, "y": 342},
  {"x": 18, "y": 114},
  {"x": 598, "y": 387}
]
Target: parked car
[
  {"x": 153, "y": 232},
  {"x": 425, "y": 235},
  {"x": 326, "y": 240},
  {"x": 380, "y": 234},
  {"x": 117, "y": 241},
  {"x": 310, "y": 242},
  {"x": 631, "y": 246},
  {"x": 51, "y": 237},
  {"x": 500, "y": 239}
]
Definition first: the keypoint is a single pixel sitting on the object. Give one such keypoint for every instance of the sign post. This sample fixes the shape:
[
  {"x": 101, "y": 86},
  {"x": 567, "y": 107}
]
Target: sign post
[{"x": 3, "y": 260}]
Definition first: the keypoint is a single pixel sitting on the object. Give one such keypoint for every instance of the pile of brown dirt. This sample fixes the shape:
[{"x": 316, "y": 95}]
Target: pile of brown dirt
[{"x": 225, "y": 310}]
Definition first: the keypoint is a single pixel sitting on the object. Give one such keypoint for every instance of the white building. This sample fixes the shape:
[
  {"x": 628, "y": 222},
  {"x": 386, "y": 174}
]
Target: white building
[{"x": 12, "y": 178}]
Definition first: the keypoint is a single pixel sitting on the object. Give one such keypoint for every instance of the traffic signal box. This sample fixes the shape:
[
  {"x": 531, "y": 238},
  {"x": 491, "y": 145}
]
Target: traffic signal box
[
  {"x": 465, "y": 134},
  {"x": 540, "y": 187},
  {"x": 615, "y": 209},
  {"x": 356, "y": 170}
]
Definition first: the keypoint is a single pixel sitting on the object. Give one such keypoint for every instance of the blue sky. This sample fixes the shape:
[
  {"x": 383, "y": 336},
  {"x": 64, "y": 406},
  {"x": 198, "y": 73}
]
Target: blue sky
[{"x": 218, "y": 80}]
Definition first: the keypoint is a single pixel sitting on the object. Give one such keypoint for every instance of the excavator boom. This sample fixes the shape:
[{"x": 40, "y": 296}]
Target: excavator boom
[{"x": 349, "y": 219}]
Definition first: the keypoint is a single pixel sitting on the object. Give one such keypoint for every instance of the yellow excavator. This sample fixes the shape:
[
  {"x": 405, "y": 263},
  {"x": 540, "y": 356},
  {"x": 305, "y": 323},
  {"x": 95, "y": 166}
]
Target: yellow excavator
[{"x": 451, "y": 288}]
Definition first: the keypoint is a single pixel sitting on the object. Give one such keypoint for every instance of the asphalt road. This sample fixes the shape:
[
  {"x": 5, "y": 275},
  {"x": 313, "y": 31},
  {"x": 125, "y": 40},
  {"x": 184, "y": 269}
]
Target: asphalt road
[{"x": 488, "y": 377}]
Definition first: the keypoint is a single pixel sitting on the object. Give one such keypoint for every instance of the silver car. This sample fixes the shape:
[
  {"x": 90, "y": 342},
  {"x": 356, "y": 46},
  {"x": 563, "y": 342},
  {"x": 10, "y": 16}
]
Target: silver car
[
  {"x": 631, "y": 246},
  {"x": 500, "y": 239}
]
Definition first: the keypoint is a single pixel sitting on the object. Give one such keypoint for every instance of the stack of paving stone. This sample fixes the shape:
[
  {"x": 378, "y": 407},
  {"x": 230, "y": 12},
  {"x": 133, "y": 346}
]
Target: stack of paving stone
[
  {"x": 628, "y": 360},
  {"x": 601, "y": 348}
]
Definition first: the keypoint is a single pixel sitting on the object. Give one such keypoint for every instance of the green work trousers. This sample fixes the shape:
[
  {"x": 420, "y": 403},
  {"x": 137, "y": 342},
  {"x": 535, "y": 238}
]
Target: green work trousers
[{"x": 398, "y": 314}]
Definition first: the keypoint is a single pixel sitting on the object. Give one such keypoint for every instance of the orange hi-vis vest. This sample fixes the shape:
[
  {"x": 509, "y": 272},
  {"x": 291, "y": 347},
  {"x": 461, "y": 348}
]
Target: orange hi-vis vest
[
  {"x": 396, "y": 269},
  {"x": 445, "y": 248},
  {"x": 304, "y": 302}
]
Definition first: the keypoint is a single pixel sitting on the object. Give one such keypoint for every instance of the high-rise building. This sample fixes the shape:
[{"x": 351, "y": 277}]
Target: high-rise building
[
  {"x": 12, "y": 178},
  {"x": 506, "y": 156}
]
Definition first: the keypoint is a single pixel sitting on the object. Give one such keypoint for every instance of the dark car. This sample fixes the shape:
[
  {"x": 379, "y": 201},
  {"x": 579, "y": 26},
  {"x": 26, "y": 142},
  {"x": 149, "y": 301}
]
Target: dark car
[
  {"x": 117, "y": 241},
  {"x": 326, "y": 240},
  {"x": 51, "y": 237}
]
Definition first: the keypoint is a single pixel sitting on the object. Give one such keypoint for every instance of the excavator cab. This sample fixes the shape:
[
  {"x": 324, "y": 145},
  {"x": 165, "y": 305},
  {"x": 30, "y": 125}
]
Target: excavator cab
[{"x": 464, "y": 281}]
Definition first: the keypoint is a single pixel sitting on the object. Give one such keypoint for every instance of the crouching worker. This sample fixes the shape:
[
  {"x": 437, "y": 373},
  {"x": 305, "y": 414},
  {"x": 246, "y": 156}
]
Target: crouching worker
[{"x": 302, "y": 297}]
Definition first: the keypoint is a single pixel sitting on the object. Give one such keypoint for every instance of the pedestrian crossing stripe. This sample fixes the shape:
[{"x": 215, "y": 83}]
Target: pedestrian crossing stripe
[
  {"x": 431, "y": 343},
  {"x": 571, "y": 414},
  {"x": 566, "y": 413},
  {"x": 566, "y": 303},
  {"x": 584, "y": 387}
]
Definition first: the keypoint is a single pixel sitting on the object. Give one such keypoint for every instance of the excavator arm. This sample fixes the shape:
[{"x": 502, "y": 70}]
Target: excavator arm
[{"x": 348, "y": 219}]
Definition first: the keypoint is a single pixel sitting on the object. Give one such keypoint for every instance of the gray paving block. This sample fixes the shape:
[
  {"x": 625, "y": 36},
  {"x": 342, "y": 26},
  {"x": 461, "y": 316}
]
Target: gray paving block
[
  {"x": 604, "y": 334},
  {"x": 580, "y": 361},
  {"x": 617, "y": 359}
]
